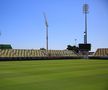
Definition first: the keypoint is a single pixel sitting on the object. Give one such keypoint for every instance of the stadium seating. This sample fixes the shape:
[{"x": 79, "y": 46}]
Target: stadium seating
[
  {"x": 101, "y": 52},
  {"x": 35, "y": 53},
  {"x": 61, "y": 53}
]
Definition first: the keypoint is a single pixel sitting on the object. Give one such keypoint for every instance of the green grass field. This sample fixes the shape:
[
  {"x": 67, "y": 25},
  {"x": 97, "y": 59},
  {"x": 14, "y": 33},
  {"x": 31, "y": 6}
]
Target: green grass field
[{"x": 54, "y": 75}]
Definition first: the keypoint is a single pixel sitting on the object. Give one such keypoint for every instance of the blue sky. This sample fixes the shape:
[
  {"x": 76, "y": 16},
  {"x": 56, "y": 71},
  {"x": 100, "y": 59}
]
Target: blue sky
[{"x": 22, "y": 23}]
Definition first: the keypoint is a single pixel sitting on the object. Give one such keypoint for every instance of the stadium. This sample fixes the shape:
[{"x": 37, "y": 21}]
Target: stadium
[
  {"x": 82, "y": 51},
  {"x": 76, "y": 67}
]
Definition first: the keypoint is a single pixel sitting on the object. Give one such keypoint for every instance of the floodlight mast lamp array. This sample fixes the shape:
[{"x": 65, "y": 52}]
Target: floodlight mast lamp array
[{"x": 85, "y": 11}]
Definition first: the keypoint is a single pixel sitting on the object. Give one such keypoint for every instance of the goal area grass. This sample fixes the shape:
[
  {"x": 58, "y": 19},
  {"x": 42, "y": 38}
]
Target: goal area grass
[{"x": 54, "y": 75}]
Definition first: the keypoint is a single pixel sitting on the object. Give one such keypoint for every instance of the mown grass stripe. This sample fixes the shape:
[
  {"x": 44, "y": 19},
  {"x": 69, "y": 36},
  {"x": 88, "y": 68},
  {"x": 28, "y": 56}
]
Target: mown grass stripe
[{"x": 55, "y": 74}]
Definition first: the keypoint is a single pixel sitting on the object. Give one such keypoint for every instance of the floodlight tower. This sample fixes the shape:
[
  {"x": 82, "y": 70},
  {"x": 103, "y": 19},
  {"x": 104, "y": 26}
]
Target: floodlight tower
[
  {"x": 46, "y": 24},
  {"x": 85, "y": 11}
]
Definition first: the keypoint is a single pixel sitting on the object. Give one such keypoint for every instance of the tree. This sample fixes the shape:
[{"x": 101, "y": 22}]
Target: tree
[
  {"x": 42, "y": 49},
  {"x": 73, "y": 48},
  {"x": 69, "y": 47}
]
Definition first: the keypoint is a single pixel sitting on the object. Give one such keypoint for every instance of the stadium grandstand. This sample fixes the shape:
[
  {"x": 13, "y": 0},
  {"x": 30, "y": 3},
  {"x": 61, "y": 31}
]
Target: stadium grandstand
[
  {"x": 101, "y": 52},
  {"x": 34, "y": 53},
  {"x": 6, "y": 52}
]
